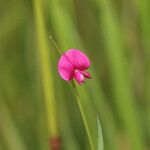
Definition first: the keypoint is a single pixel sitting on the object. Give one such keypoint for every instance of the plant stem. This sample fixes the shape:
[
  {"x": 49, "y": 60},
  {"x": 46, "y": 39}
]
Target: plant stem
[
  {"x": 83, "y": 115},
  {"x": 56, "y": 45}
]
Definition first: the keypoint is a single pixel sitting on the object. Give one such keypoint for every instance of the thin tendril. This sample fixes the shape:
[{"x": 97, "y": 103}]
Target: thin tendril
[{"x": 56, "y": 45}]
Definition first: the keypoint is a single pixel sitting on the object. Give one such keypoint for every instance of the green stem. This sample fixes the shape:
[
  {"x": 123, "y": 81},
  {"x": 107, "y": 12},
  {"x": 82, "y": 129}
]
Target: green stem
[
  {"x": 56, "y": 45},
  {"x": 83, "y": 115}
]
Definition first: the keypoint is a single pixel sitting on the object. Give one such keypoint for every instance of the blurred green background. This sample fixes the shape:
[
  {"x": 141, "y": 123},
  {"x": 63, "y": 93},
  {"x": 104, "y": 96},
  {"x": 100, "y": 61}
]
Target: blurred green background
[{"x": 115, "y": 34}]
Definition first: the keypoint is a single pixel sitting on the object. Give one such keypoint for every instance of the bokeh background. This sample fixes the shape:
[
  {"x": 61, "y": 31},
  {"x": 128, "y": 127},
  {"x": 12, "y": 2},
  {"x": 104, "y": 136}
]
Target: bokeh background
[{"x": 36, "y": 105}]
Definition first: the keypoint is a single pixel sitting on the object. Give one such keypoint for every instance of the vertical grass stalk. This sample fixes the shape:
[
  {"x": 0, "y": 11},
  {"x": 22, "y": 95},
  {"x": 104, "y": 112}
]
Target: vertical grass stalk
[{"x": 45, "y": 69}]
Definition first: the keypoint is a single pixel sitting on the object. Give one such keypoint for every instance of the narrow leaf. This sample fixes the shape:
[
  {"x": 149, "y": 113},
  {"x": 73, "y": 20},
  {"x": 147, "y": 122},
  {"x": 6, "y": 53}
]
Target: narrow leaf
[{"x": 100, "y": 136}]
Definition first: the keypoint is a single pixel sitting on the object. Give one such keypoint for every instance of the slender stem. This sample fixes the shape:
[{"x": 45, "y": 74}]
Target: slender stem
[
  {"x": 56, "y": 45},
  {"x": 83, "y": 116}
]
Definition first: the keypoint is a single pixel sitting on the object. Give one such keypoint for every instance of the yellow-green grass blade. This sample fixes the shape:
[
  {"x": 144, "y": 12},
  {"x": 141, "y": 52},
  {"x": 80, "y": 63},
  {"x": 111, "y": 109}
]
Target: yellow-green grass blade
[{"x": 45, "y": 68}]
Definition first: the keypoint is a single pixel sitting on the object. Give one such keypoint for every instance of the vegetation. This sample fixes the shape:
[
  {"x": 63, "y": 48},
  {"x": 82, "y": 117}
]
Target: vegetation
[{"x": 38, "y": 108}]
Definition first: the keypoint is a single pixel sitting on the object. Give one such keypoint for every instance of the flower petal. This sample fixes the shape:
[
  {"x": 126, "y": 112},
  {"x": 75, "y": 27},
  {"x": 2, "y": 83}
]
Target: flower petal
[
  {"x": 70, "y": 61},
  {"x": 78, "y": 59},
  {"x": 79, "y": 77},
  {"x": 86, "y": 74},
  {"x": 65, "y": 68}
]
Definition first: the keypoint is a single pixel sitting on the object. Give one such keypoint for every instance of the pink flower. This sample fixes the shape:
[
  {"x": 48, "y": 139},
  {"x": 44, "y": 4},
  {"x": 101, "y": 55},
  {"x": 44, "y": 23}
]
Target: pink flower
[{"x": 72, "y": 64}]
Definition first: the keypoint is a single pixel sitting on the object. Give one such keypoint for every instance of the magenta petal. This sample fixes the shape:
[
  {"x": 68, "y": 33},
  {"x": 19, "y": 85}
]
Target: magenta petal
[
  {"x": 65, "y": 68},
  {"x": 78, "y": 59},
  {"x": 70, "y": 61},
  {"x": 79, "y": 77},
  {"x": 86, "y": 74}
]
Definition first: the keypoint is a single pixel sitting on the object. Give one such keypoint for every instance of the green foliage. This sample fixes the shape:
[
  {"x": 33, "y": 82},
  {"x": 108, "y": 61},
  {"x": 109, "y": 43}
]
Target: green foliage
[{"x": 37, "y": 105}]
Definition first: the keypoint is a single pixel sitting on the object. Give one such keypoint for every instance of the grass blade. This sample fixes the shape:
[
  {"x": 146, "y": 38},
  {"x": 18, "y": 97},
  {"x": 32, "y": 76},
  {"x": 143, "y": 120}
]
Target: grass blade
[
  {"x": 100, "y": 136},
  {"x": 46, "y": 70}
]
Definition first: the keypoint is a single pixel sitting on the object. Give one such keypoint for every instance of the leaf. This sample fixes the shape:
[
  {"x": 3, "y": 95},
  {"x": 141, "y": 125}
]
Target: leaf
[{"x": 100, "y": 145}]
